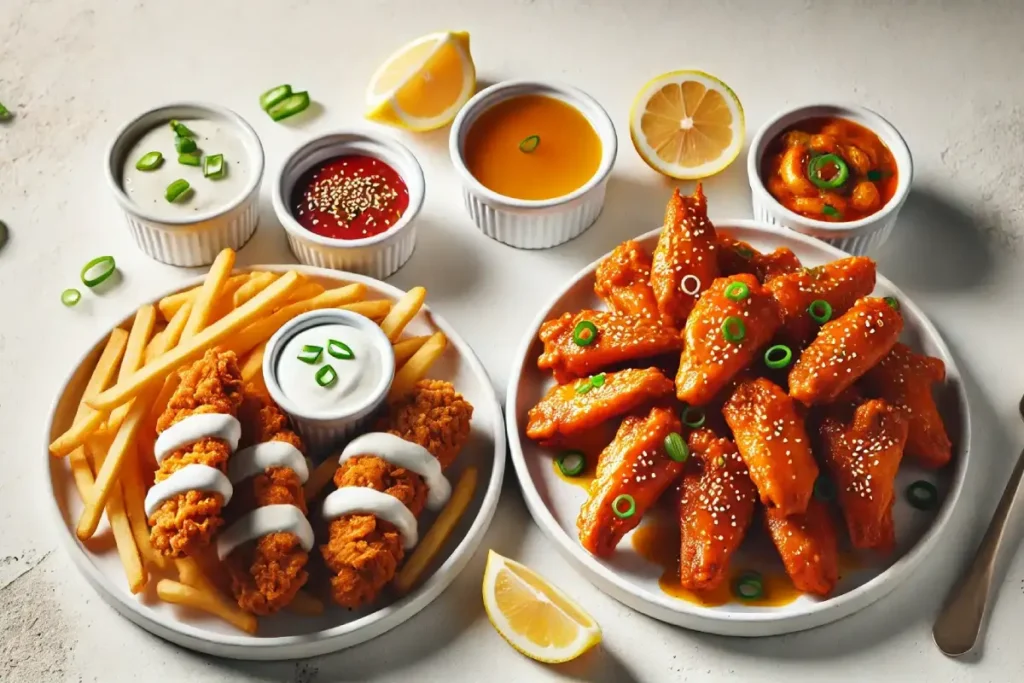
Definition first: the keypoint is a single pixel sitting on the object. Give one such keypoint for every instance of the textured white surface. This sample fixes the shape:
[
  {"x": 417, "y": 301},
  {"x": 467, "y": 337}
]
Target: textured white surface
[{"x": 74, "y": 71}]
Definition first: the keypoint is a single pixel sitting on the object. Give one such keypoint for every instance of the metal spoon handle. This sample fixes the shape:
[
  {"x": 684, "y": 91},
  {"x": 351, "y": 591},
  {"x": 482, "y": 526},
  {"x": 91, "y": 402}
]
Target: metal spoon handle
[{"x": 957, "y": 629}]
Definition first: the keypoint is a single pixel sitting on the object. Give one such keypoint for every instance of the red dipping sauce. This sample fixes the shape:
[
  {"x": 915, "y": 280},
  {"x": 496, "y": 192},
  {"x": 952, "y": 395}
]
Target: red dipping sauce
[{"x": 350, "y": 197}]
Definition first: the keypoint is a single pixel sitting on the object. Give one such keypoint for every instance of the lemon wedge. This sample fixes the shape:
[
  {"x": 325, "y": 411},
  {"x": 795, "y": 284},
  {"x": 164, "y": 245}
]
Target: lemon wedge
[
  {"x": 423, "y": 85},
  {"x": 687, "y": 124},
  {"x": 534, "y": 617}
]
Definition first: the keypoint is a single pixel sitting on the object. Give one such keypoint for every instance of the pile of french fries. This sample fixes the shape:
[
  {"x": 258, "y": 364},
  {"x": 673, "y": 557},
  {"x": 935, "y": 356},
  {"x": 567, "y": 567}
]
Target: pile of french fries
[{"x": 110, "y": 443}]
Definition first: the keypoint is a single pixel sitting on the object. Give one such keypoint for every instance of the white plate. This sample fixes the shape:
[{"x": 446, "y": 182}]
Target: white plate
[
  {"x": 627, "y": 577},
  {"x": 287, "y": 636}
]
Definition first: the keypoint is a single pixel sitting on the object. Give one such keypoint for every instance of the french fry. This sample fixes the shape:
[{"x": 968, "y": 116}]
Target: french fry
[
  {"x": 134, "y": 357},
  {"x": 256, "y": 284},
  {"x": 195, "y": 347},
  {"x": 407, "y": 347},
  {"x": 211, "y": 603},
  {"x": 306, "y": 605},
  {"x": 417, "y": 366},
  {"x": 77, "y": 434},
  {"x": 172, "y": 332},
  {"x": 431, "y": 543},
  {"x": 252, "y": 366},
  {"x": 404, "y": 310},
  {"x": 134, "y": 490},
  {"x": 169, "y": 305},
  {"x": 374, "y": 310},
  {"x": 202, "y": 305},
  {"x": 319, "y": 478},
  {"x": 306, "y": 290}
]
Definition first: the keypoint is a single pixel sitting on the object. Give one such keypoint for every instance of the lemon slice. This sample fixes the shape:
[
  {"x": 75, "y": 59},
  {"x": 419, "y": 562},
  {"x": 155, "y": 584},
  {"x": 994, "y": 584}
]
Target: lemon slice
[
  {"x": 687, "y": 124},
  {"x": 534, "y": 617},
  {"x": 423, "y": 85}
]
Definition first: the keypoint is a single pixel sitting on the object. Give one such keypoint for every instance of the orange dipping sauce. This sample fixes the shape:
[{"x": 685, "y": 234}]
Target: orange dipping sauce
[{"x": 830, "y": 169}]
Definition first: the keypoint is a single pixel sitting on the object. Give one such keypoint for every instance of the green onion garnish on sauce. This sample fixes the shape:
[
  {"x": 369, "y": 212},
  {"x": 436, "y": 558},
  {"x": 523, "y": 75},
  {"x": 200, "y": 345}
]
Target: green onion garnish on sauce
[
  {"x": 529, "y": 144},
  {"x": 874, "y": 175},
  {"x": 289, "y": 106},
  {"x": 893, "y": 302},
  {"x": 733, "y": 329},
  {"x": 326, "y": 376},
  {"x": 571, "y": 463},
  {"x": 98, "y": 270},
  {"x": 584, "y": 386},
  {"x": 778, "y": 356},
  {"x": 922, "y": 495},
  {"x": 150, "y": 161},
  {"x": 831, "y": 211},
  {"x": 177, "y": 189},
  {"x": 274, "y": 95},
  {"x": 676, "y": 448},
  {"x": 598, "y": 380},
  {"x": 748, "y": 586},
  {"x": 70, "y": 297},
  {"x": 184, "y": 144},
  {"x": 180, "y": 129},
  {"x": 737, "y": 291},
  {"x": 820, "y": 310},
  {"x": 584, "y": 333},
  {"x": 819, "y": 163},
  {"x": 311, "y": 354},
  {"x": 189, "y": 159},
  {"x": 693, "y": 417},
  {"x": 214, "y": 166},
  {"x": 624, "y": 506},
  {"x": 744, "y": 252},
  {"x": 340, "y": 349}
]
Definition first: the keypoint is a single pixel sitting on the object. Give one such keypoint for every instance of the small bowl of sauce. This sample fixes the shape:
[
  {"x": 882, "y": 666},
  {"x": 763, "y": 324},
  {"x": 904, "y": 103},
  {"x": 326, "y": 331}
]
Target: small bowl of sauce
[
  {"x": 348, "y": 201},
  {"x": 534, "y": 159}
]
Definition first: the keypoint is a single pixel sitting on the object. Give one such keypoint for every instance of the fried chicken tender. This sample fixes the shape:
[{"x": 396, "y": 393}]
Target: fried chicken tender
[
  {"x": 634, "y": 463},
  {"x": 740, "y": 306},
  {"x": 736, "y": 256},
  {"x": 622, "y": 281},
  {"x": 716, "y": 505},
  {"x": 863, "y": 456},
  {"x": 620, "y": 339},
  {"x": 807, "y": 544},
  {"x": 363, "y": 552},
  {"x": 187, "y": 522},
  {"x": 905, "y": 379},
  {"x": 686, "y": 247},
  {"x": 840, "y": 283},
  {"x": 771, "y": 437},
  {"x": 568, "y": 410},
  {"x": 845, "y": 349}
]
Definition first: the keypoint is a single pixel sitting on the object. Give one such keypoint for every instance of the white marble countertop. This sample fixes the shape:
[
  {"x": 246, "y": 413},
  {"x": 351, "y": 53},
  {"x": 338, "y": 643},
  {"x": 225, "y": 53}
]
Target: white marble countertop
[{"x": 74, "y": 70}]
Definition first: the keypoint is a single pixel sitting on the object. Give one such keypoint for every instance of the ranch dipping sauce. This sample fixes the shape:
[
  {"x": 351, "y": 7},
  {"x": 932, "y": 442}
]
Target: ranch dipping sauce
[{"x": 148, "y": 189}]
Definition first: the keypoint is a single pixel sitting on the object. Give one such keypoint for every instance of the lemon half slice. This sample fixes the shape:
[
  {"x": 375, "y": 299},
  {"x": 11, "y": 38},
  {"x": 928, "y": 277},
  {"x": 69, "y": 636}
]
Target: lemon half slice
[
  {"x": 534, "y": 617},
  {"x": 687, "y": 124},
  {"x": 423, "y": 85}
]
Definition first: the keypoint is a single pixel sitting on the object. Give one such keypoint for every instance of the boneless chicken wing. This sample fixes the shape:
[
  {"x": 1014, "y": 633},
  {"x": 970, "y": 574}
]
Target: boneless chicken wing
[
  {"x": 584, "y": 404},
  {"x": 729, "y": 325},
  {"x": 622, "y": 281},
  {"x": 572, "y": 348},
  {"x": 807, "y": 545},
  {"x": 844, "y": 350},
  {"x": 905, "y": 379},
  {"x": 736, "y": 256},
  {"x": 771, "y": 437},
  {"x": 632, "y": 472},
  {"x": 716, "y": 504}
]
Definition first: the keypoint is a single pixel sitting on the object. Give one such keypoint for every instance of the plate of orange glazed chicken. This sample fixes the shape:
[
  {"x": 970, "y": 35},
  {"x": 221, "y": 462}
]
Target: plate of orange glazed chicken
[
  {"x": 736, "y": 428},
  {"x": 275, "y": 462}
]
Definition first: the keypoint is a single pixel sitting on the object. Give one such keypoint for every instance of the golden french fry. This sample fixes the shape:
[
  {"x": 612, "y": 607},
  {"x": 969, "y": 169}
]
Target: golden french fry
[
  {"x": 202, "y": 306},
  {"x": 77, "y": 434},
  {"x": 195, "y": 347},
  {"x": 319, "y": 478},
  {"x": 417, "y": 366},
  {"x": 407, "y": 347},
  {"x": 374, "y": 310},
  {"x": 306, "y": 605},
  {"x": 211, "y": 603},
  {"x": 171, "y": 333},
  {"x": 430, "y": 545},
  {"x": 134, "y": 356},
  {"x": 256, "y": 284},
  {"x": 252, "y": 367},
  {"x": 307, "y": 290},
  {"x": 404, "y": 310},
  {"x": 169, "y": 305}
]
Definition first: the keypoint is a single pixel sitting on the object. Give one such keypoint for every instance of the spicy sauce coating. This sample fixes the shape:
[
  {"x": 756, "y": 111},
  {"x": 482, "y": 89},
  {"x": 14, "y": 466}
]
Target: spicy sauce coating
[
  {"x": 736, "y": 256},
  {"x": 622, "y": 281},
  {"x": 807, "y": 545}
]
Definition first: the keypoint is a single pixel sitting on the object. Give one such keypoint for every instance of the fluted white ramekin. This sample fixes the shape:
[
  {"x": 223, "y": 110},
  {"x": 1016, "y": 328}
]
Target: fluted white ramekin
[
  {"x": 197, "y": 239},
  {"x": 855, "y": 237},
  {"x": 378, "y": 256},
  {"x": 321, "y": 434},
  {"x": 533, "y": 224}
]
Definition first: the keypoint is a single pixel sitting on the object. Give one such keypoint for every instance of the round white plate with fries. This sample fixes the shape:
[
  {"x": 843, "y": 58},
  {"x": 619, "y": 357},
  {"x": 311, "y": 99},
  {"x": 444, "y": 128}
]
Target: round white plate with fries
[
  {"x": 633, "y": 574},
  {"x": 98, "y": 453}
]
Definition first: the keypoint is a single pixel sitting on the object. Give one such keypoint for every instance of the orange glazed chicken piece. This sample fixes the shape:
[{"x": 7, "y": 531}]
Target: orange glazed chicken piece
[
  {"x": 684, "y": 262},
  {"x": 905, "y": 379},
  {"x": 579, "y": 344},
  {"x": 736, "y": 256},
  {"x": 622, "y": 281},
  {"x": 807, "y": 545},
  {"x": 584, "y": 404},
  {"x": 729, "y": 325},
  {"x": 844, "y": 350},
  {"x": 839, "y": 284},
  {"x": 771, "y": 438},
  {"x": 863, "y": 456},
  {"x": 632, "y": 473},
  {"x": 716, "y": 504}
]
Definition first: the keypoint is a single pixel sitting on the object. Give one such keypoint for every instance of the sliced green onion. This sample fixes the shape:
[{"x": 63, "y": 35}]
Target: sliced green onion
[
  {"x": 824, "y": 488},
  {"x": 326, "y": 376},
  {"x": 274, "y": 96},
  {"x": 584, "y": 386},
  {"x": 99, "y": 269},
  {"x": 598, "y": 380},
  {"x": 820, "y": 310},
  {"x": 529, "y": 144},
  {"x": 630, "y": 506},
  {"x": 289, "y": 106},
  {"x": 832, "y": 211},
  {"x": 571, "y": 463},
  {"x": 748, "y": 586},
  {"x": 676, "y": 447},
  {"x": 814, "y": 168},
  {"x": 180, "y": 129},
  {"x": 733, "y": 329},
  {"x": 70, "y": 297},
  {"x": 778, "y": 356},
  {"x": 720, "y": 461},
  {"x": 744, "y": 252},
  {"x": 189, "y": 159},
  {"x": 584, "y": 333},
  {"x": 340, "y": 349},
  {"x": 922, "y": 495},
  {"x": 737, "y": 291},
  {"x": 150, "y": 161},
  {"x": 5, "y": 113},
  {"x": 693, "y": 417},
  {"x": 214, "y": 166},
  {"x": 311, "y": 354},
  {"x": 184, "y": 144},
  {"x": 874, "y": 175},
  {"x": 893, "y": 302},
  {"x": 176, "y": 189}
]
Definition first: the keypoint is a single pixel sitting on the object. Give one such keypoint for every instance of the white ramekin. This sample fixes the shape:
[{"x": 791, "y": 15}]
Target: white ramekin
[
  {"x": 855, "y": 237},
  {"x": 533, "y": 224},
  {"x": 194, "y": 240},
  {"x": 322, "y": 434},
  {"x": 378, "y": 256}
]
